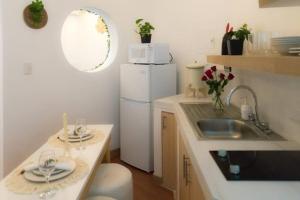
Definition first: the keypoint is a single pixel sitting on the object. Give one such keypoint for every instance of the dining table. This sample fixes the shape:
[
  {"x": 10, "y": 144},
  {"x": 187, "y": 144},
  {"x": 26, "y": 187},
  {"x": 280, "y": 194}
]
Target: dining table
[{"x": 93, "y": 155}]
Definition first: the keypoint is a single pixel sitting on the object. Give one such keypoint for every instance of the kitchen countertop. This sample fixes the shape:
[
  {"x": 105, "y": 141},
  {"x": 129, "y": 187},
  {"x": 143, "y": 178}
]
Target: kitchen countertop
[{"x": 214, "y": 184}]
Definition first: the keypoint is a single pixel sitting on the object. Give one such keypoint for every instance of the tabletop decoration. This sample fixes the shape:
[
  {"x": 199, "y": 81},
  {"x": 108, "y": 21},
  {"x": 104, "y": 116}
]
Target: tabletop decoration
[
  {"x": 216, "y": 82},
  {"x": 96, "y": 137},
  {"x": 16, "y": 182}
]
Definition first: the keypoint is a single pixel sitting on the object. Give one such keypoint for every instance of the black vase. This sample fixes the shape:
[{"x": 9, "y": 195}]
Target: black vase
[
  {"x": 146, "y": 38},
  {"x": 226, "y": 37},
  {"x": 235, "y": 47}
]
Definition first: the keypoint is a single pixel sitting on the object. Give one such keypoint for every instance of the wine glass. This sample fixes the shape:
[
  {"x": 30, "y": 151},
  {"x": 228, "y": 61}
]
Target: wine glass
[
  {"x": 47, "y": 162},
  {"x": 80, "y": 129}
]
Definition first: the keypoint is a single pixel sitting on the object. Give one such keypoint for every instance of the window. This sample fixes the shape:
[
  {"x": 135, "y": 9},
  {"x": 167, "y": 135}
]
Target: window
[{"x": 89, "y": 40}]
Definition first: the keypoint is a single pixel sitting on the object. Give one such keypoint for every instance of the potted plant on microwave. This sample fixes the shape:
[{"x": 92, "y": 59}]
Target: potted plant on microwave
[
  {"x": 144, "y": 30},
  {"x": 235, "y": 44}
]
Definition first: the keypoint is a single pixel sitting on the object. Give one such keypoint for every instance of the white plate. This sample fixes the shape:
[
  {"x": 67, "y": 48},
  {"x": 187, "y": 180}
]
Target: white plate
[
  {"x": 294, "y": 51},
  {"x": 77, "y": 139},
  {"x": 287, "y": 38},
  {"x": 295, "y": 48},
  {"x": 30, "y": 176},
  {"x": 38, "y": 173}
]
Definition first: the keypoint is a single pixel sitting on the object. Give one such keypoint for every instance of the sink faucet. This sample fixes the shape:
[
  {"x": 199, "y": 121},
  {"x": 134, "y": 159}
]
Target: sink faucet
[{"x": 228, "y": 99}]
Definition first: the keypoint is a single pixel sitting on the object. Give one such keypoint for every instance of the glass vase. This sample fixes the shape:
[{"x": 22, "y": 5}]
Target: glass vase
[{"x": 218, "y": 103}]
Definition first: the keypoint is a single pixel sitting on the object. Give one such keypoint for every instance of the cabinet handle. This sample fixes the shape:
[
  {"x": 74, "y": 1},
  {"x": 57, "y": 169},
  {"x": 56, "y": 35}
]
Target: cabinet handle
[
  {"x": 186, "y": 165},
  {"x": 164, "y": 122}
]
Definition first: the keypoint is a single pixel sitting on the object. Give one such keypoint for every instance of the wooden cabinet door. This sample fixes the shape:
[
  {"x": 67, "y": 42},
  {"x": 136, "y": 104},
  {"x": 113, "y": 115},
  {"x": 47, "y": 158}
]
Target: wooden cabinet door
[
  {"x": 190, "y": 188},
  {"x": 169, "y": 151},
  {"x": 195, "y": 187},
  {"x": 184, "y": 193}
]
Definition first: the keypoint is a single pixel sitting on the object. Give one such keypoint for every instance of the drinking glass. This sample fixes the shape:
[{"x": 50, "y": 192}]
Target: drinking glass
[
  {"x": 80, "y": 129},
  {"x": 47, "y": 162},
  {"x": 262, "y": 43}
]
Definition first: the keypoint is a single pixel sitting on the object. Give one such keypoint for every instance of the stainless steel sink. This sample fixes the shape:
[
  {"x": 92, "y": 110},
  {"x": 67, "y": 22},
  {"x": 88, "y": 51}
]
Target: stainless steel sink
[
  {"x": 226, "y": 129},
  {"x": 211, "y": 125}
]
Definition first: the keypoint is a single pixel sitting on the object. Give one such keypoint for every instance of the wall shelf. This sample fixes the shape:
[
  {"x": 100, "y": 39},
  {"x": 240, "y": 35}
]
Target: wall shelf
[
  {"x": 278, "y": 3},
  {"x": 288, "y": 65}
]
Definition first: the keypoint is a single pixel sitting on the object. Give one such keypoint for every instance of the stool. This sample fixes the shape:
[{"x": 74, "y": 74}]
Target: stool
[
  {"x": 100, "y": 198},
  {"x": 112, "y": 180}
]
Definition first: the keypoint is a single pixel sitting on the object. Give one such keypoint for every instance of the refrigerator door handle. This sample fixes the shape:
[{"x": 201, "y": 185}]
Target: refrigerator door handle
[{"x": 132, "y": 100}]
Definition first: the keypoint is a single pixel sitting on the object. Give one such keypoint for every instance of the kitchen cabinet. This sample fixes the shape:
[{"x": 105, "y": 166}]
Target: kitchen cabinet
[
  {"x": 169, "y": 150},
  {"x": 189, "y": 186},
  {"x": 184, "y": 164}
]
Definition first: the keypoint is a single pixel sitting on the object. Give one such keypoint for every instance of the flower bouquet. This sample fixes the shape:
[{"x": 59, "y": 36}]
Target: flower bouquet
[{"x": 216, "y": 82}]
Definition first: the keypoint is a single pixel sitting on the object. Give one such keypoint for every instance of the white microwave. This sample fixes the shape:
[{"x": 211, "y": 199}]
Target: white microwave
[{"x": 150, "y": 53}]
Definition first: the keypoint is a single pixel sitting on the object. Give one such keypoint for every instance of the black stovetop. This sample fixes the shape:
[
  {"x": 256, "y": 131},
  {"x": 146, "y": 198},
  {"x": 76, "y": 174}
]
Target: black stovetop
[{"x": 260, "y": 165}]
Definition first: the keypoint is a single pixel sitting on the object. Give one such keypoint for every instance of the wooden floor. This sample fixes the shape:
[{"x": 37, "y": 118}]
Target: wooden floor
[{"x": 144, "y": 186}]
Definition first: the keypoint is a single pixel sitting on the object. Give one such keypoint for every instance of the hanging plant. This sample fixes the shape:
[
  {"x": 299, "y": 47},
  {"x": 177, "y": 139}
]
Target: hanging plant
[
  {"x": 36, "y": 9},
  {"x": 35, "y": 15}
]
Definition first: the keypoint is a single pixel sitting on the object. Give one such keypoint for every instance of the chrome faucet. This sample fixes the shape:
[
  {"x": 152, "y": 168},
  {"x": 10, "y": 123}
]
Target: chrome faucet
[{"x": 256, "y": 118}]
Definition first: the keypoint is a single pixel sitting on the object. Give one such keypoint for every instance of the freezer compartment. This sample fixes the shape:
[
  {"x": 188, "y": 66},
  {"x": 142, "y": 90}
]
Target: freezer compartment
[
  {"x": 147, "y": 82},
  {"x": 136, "y": 135},
  {"x": 135, "y": 82}
]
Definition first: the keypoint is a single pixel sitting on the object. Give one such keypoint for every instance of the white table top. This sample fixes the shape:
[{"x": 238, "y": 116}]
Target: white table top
[{"x": 90, "y": 155}]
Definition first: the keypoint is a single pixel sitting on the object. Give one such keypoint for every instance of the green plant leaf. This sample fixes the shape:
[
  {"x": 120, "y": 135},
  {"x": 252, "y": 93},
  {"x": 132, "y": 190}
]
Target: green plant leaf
[
  {"x": 143, "y": 28},
  {"x": 139, "y": 21},
  {"x": 225, "y": 83},
  {"x": 36, "y": 10},
  {"x": 242, "y": 33}
]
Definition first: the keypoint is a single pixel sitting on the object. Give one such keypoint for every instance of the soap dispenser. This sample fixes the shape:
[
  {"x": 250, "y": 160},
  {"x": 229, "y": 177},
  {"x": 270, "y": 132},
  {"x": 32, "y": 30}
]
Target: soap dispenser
[{"x": 246, "y": 109}]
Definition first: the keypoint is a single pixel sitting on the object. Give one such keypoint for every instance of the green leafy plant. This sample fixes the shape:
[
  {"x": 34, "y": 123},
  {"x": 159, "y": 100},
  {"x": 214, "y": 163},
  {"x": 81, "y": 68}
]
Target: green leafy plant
[
  {"x": 36, "y": 10},
  {"x": 242, "y": 33},
  {"x": 143, "y": 28}
]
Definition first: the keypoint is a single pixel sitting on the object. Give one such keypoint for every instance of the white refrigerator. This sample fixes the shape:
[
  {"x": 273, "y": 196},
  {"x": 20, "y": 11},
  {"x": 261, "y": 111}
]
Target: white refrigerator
[{"x": 140, "y": 85}]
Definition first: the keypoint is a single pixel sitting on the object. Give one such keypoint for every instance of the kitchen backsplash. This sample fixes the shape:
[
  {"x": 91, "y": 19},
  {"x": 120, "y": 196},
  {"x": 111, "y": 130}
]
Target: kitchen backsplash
[{"x": 278, "y": 100}]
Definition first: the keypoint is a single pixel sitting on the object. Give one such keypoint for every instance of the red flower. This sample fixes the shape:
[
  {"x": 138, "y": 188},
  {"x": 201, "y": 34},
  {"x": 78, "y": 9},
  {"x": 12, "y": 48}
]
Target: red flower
[
  {"x": 222, "y": 76},
  {"x": 230, "y": 76},
  {"x": 208, "y": 73},
  {"x": 213, "y": 68},
  {"x": 204, "y": 78}
]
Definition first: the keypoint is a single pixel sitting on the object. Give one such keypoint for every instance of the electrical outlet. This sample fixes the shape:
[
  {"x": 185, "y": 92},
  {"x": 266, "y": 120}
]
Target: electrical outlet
[{"x": 227, "y": 69}]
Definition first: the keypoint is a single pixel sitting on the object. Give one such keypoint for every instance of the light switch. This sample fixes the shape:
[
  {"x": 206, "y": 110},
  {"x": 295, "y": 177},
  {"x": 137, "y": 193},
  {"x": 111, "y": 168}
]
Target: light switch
[{"x": 27, "y": 68}]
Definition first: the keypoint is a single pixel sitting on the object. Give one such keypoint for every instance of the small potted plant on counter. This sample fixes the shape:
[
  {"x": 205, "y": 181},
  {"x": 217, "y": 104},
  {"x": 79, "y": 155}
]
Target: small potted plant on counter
[
  {"x": 144, "y": 30},
  {"x": 216, "y": 82},
  {"x": 236, "y": 42}
]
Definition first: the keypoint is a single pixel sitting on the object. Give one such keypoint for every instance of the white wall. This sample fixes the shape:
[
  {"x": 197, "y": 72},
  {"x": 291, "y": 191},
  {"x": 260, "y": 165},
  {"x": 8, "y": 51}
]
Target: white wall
[
  {"x": 34, "y": 104},
  {"x": 190, "y": 25},
  {"x": 1, "y": 96}
]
